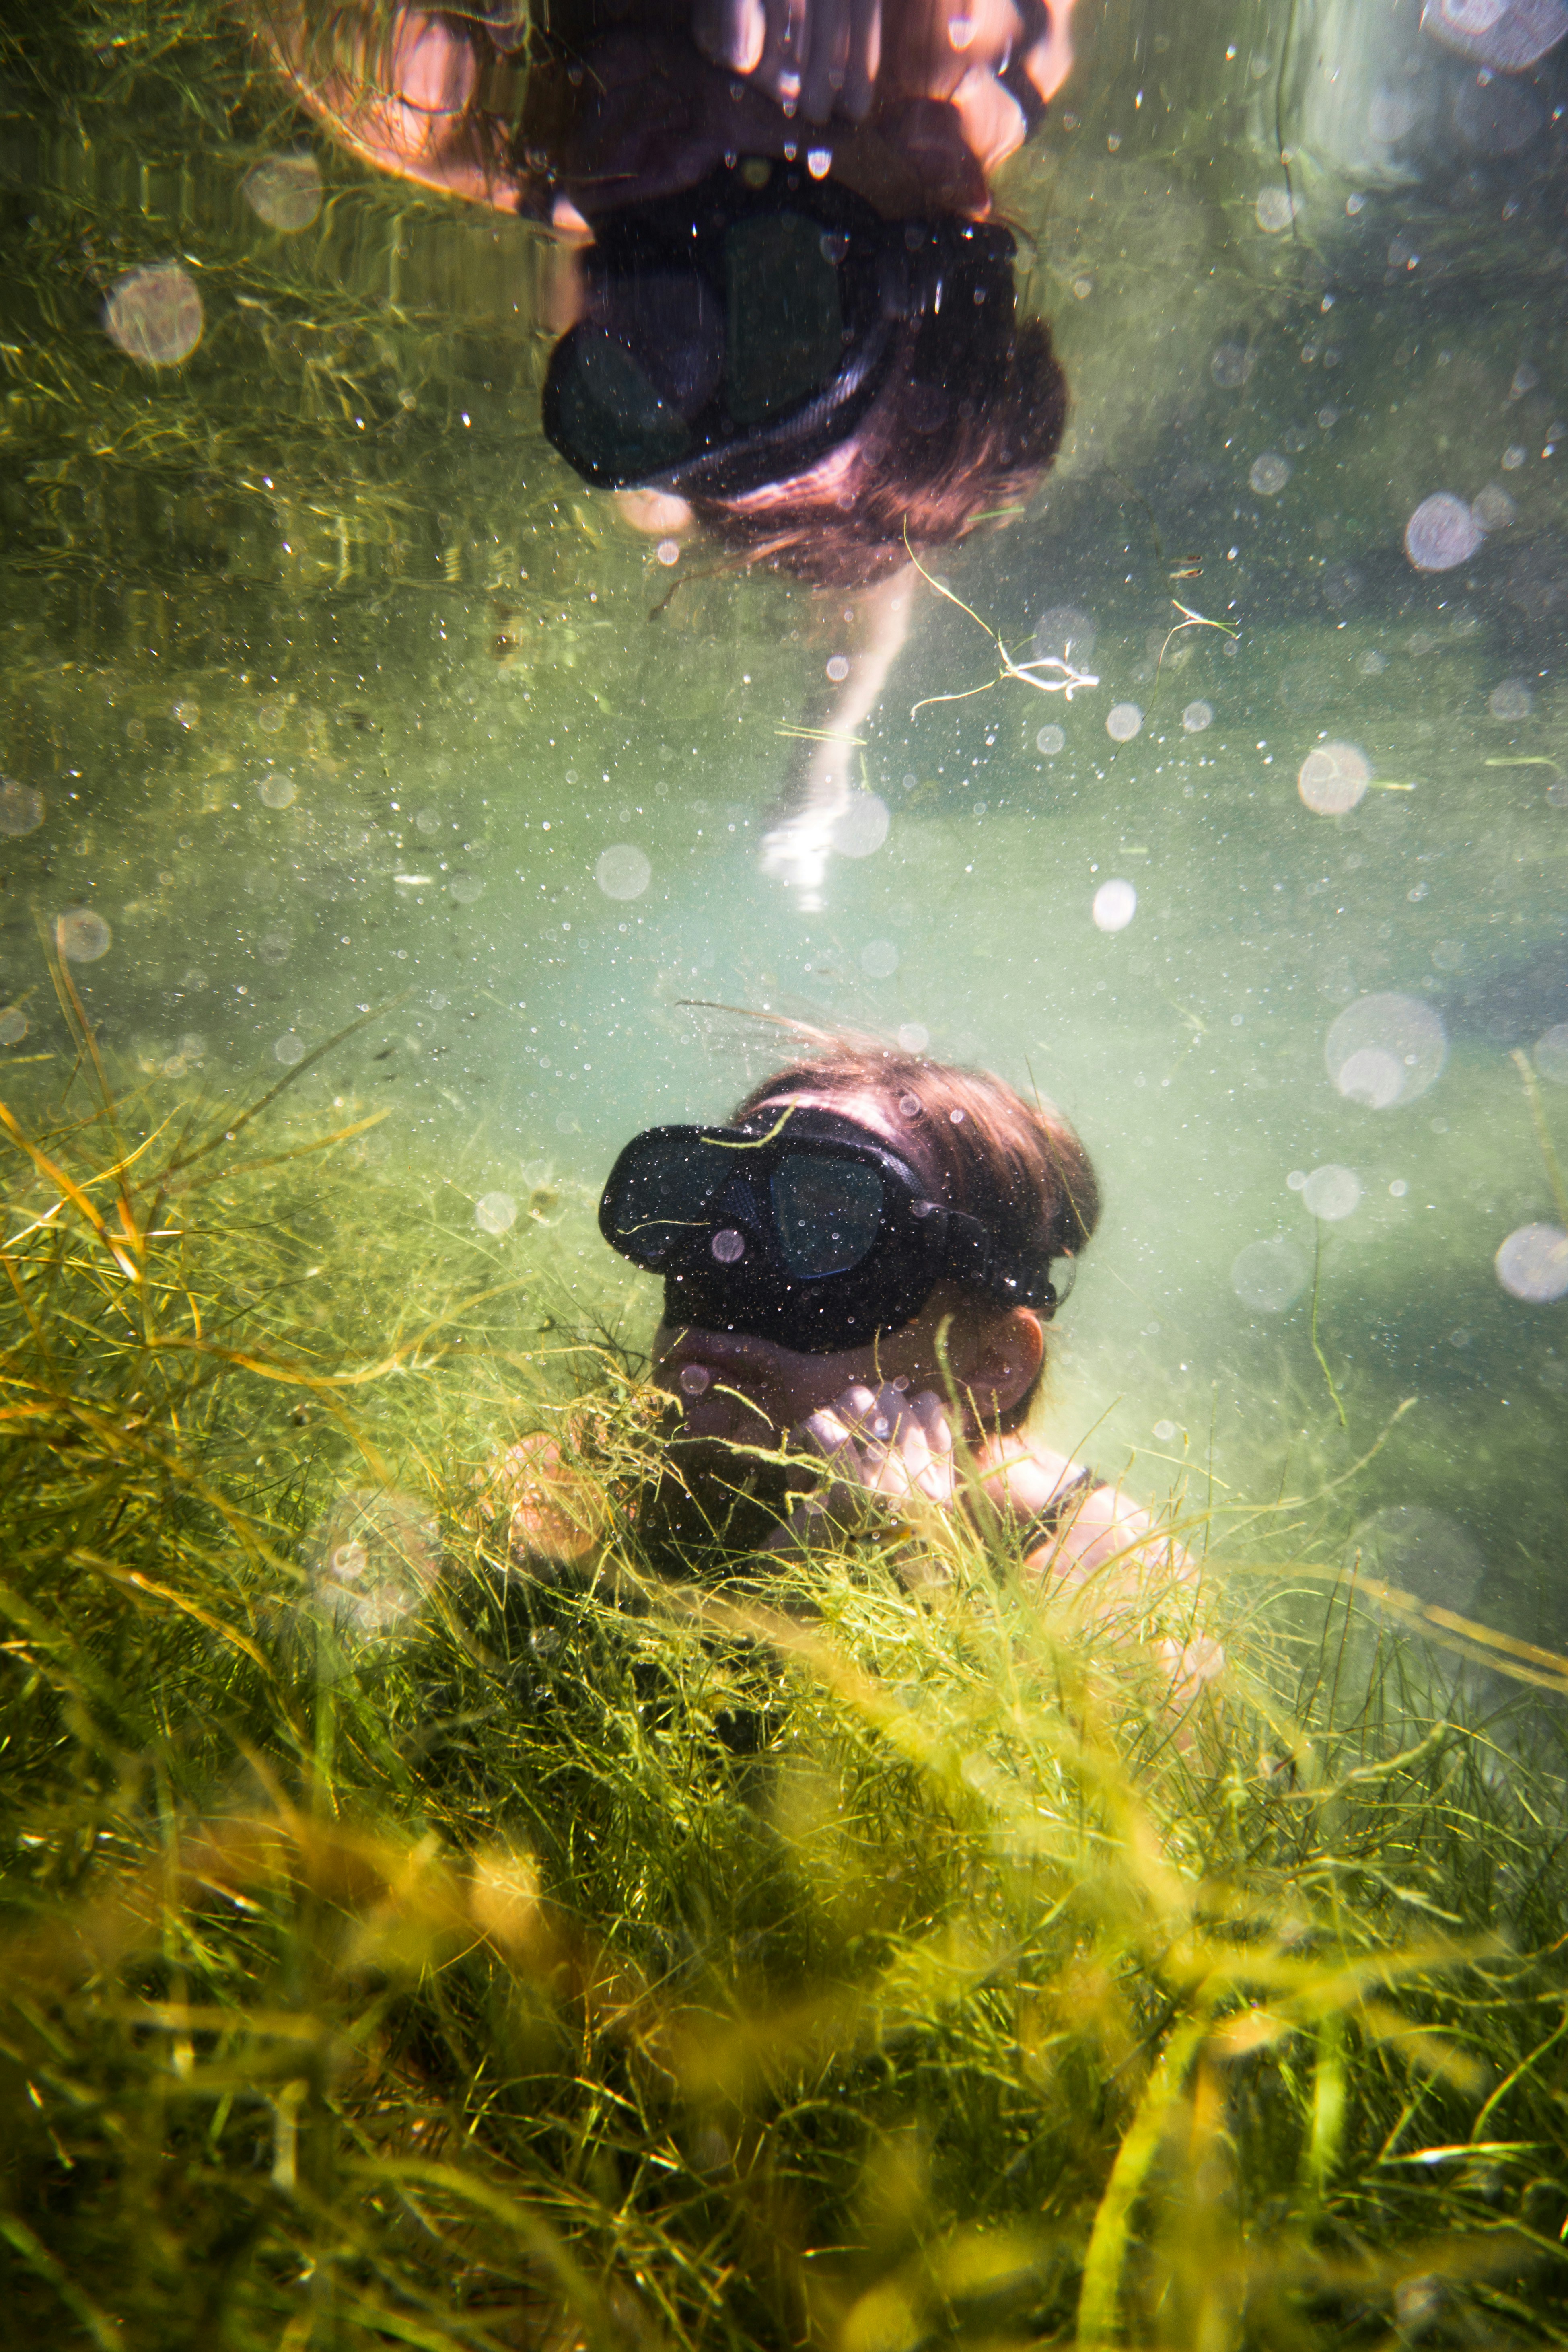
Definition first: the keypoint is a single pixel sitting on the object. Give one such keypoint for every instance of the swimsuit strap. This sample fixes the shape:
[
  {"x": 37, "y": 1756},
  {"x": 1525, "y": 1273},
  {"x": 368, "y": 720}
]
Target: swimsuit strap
[{"x": 1062, "y": 1508}]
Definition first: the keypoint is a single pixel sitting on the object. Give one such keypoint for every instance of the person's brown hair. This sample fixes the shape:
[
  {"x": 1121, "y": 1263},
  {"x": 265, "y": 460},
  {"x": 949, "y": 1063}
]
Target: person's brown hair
[{"x": 1019, "y": 1167}]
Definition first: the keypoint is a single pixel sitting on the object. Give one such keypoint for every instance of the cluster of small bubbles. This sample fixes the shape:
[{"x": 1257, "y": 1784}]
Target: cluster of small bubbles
[
  {"x": 862, "y": 828},
  {"x": 1231, "y": 365},
  {"x": 276, "y": 791},
  {"x": 1532, "y": 1263},
  {"x": 1269, "y": 1276},
  {"x": 13, "y": 1025},
  {"x": 728, "y": 1245},
  {"x": 464, "y": 888},
  {"x": 274, "y": 947},
  {"x": 1050, "y": 741},
  {"x": 1508, "y": 38},
  {"x": 21, "y": 808},
  {"x": 1269, "y": 473},
  {"x": 878, "y": 958},
  {"x": 285, "y": 192},
  {"x": 272, "y": 714},
  {"x": 1275, "y": 210},
  {"x": 1122, "y": 721},
  {"x": 838, "y": 669},
  {"x": 81, "y": 936},
  {"x": 1441, "y": 533},
  {"x": 668, "y": 552},
  {"x": 1373, "y": 664},
  {"x": 1551, "y": 1055},
  {"x": 373, "y": 1561},
  {"x": 289, "y": 1049},
  {"x": 695, "y": 1378},
  {"x": 1386, "y": 1050},
  {"x": 1491, "y": 509},
  {"x": 622, "y": 871},
  {"x": 1331, "y": 1193},
  {"x": 1511, "y": 701},
  {"x": 155, "y": 314},
  {"x": 1064, "y": 633},
  {"x": 913, "y": 1037},
  {"x": 1115, "y": 904},
  {"x": 1197, "y": 715},
  {"x": 1333, "y": 778},
  {"x": 427, "y": 821},
  {"x": 495, "y": 1213}
]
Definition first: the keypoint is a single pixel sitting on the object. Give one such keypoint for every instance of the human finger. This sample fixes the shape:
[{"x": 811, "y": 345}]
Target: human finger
[
  {"x": 826, "y": 57},
  {"x": 865, "y": 59},
  {"x": 731, "y": 32}
]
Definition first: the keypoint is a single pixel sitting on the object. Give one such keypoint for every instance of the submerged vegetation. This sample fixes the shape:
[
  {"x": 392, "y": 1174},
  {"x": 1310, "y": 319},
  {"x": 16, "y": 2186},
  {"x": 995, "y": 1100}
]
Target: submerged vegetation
[{"x": 402, "y": 1948}]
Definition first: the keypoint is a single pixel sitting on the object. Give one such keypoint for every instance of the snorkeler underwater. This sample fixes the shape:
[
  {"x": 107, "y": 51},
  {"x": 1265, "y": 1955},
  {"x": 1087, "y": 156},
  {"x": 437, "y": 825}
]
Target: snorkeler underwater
[{"x": 784, "y": 1294}]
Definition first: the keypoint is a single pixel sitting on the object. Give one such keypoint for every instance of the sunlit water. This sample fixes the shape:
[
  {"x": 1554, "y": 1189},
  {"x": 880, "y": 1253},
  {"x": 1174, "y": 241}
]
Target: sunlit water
[{"x": 329, "y": 689}]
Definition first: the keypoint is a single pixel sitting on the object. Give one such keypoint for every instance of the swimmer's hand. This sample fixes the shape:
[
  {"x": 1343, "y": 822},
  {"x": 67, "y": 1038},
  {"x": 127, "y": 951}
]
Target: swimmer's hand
[{"x": 877, "y": 1448}]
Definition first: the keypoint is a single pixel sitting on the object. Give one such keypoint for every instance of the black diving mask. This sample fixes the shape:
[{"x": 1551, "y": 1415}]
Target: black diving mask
[
  {"x": 736, "y": 332},
  {"x": 801, "y": 1228}
]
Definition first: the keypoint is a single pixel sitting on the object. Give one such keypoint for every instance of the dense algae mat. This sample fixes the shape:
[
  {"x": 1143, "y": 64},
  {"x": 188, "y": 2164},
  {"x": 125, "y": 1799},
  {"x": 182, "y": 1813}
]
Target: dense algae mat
[{"x": 399, "y": 1949}]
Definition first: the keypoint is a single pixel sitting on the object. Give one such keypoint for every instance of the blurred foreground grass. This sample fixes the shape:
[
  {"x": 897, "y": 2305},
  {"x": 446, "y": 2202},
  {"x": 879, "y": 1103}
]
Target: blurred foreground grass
[{"x": 400, "y": 1950}]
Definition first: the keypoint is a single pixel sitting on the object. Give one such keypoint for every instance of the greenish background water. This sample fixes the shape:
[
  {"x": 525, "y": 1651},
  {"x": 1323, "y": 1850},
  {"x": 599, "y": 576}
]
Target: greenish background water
[{"x": 337, "y": 688}]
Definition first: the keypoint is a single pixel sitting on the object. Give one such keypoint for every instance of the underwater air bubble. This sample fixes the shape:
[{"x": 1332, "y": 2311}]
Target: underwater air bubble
[
  {"x": 1331, "y": 1193},
  {"x": 1513, "y": 458},
  {"x": 1269, "y": 473},
  {"x": 464, "y": 888},
  {"x": 275, "y": 947},
  {"x": 1492, "y": 508},
  {"x": 1420, "y": 1551},
  {"x": 155, "y": 314},
  {"x": 277, "y": 791},
  {"x": 1333, "y": 778},
  {"x": 1166, "y": 1431},
  {"x": 863, "y": 827},
  {"x": 1386, "y": 1050},
  {"x": 837, "y": 669},
  {"x": 1197, "y": 715},
  {"x": 271, "y": 715},
  {"x": 21, "y": 808},
  {"x": 1499, "y": 118},
  {"x": 909, "y": 1106},
  {"x": 284, "y": 191},
  {"x": 1050, "y": 741},
  {"x": 81, "y": 936},
  {"x": 1297, "y": 1179},
  {"x": 373, "y": 1561},
  {"x": 1231, "y": 365},
  {"x": 1511, "y": 701},
  {"x": 1115, "y": 904},
  {"x": 1551, "y": 1055},
  {"x": 1532, "y": 1263},
  {"x": 1122, "y": 721},
  {"x": 623, "y": 872},
  {"x": 1509, "y": 36},
  {"x": 13, "y": 1025},
  {"x": 1441, "y": 533},
  {"x": 913, "y": 1037},
  {"x": 668, "y": 552},
  {"x": 289, "y": 1049},
  {"x": 495, "y": 1213},
  {"x": 878, "y": 958},
  {"x": 727, "y": 1245},
  {"x": 1373, "y": 664},
  {"x": 1269, "y": 1276},
  {"x": 1064, "y": 633},
  {"x": 427, "y": 821},
  {"x": 695, "y": 1378},
  {"x": 1275, "y": 210}
]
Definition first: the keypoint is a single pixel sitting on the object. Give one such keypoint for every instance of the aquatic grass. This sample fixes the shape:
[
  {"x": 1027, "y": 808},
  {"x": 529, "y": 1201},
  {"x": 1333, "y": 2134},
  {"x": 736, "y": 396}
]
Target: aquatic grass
[{"x": 859, "y": 1949}]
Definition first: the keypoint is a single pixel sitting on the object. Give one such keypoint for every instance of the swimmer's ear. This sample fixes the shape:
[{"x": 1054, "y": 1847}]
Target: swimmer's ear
[{"x": 1003, "y": 1358}]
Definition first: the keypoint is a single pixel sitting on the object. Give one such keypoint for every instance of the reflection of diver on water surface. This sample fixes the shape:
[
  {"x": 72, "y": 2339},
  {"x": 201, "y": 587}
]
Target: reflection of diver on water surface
[{"x": 789, "y": 317}]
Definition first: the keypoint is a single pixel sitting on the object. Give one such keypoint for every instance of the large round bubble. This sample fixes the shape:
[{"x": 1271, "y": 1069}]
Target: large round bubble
[
  {"x": 1509, "y": 36},
  {"x": 1441, "y": 533},
  {"x": 82, "y": 936},
  {"x": 1332, "y": 1193},
  {"x": 863, "y": 827},
  {"x": 1421, "y": 1552},
  {"x": 1064, "y": 633},
  {"x": 284, "y": 191},
  {"x": 1333, "y": 778},
  {"x": 1386, "y": 1050},
  {"x": 1115, "y": 904},
  {"x": 1122, "y": 721},
  {"x": 623, "y": 871},
  {"x": 155, "y": 314},
  {"x": 374, "y": 1562},
  {"x": 1269, "y": 1276},
  {"x": 1551, "y": 1053},
  {"x": 21, "y": 808},
  {"x": 1532, "y": 1263}
]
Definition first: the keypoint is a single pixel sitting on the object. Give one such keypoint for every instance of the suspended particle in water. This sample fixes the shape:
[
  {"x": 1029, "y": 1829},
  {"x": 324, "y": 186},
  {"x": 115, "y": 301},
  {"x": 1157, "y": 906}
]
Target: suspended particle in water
[
  {"x": 695, "y": 1378},
  {"x": 1050, "y": 741},
  {"x": 727, "y": 1245},
  {"x": 1373, "y": 664},
  {"x": 1532, "y": 1263},
  {"x": 1231, "y": 365},
  {"x": 272, "y": 714},
  {"x": 1386, "y": 1050},
  {"x": 862, "y": 828},
  {"x": 1275, "y": 210},
  {"x": 155, "y": 314},
  {"x": 276, "y": 791},
  {"x": 1511, "y": 700},
  {"x": 1197, "y": 715},
  {"x": 1331, "y": 1193},
  {"x": 1513, "y": 458},
  {"x": 82, "y": 936},
  {"x": 1441, "y": 533},
  {"x": 22, "y": 808},
  {"x": 1269, "y": 473},
  {"x": 668, "y": 552},
  {"x": 1122, "y": 721},
  {"x": 1509, "y": 36},
  {"x": 913, "y": 1038},
  {"x": 1269, "y": 1276},
  {"x": 1064, "y": 633},
  {"x": 495, "y": 1213},
  {"x": 13, "y": 1025},
  {"x": 275, "y": 947},
  {"x": 1491, "y": 509},
  {"x": 1551, "y": 1055},
  {"x": 427, "y": 822},
  {"x": 1333, "y": 777},
  {"x": 464, "y": 888},
  {"x": 289, "y": 1049},
  {"x": 284, "y": 191},
  {"x": 878, "y": 958},
  {"x": 837, "y": 669},
  {"x": 622, "y": 871},
  {"x": 1115, "y": 904}
]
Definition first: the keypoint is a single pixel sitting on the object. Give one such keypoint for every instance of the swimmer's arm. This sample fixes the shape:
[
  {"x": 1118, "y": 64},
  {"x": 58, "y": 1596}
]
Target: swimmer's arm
[{"x": 1115, "y": 1553}]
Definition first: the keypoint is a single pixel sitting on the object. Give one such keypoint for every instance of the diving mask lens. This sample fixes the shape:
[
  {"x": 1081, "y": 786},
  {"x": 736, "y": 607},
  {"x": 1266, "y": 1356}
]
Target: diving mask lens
[
  {"x": 827, "y": 1214},
  {"x": 659, "y": 1193}
]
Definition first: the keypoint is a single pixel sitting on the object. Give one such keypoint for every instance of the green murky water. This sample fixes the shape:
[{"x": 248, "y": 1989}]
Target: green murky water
[{"x": 338, "y": 688}]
